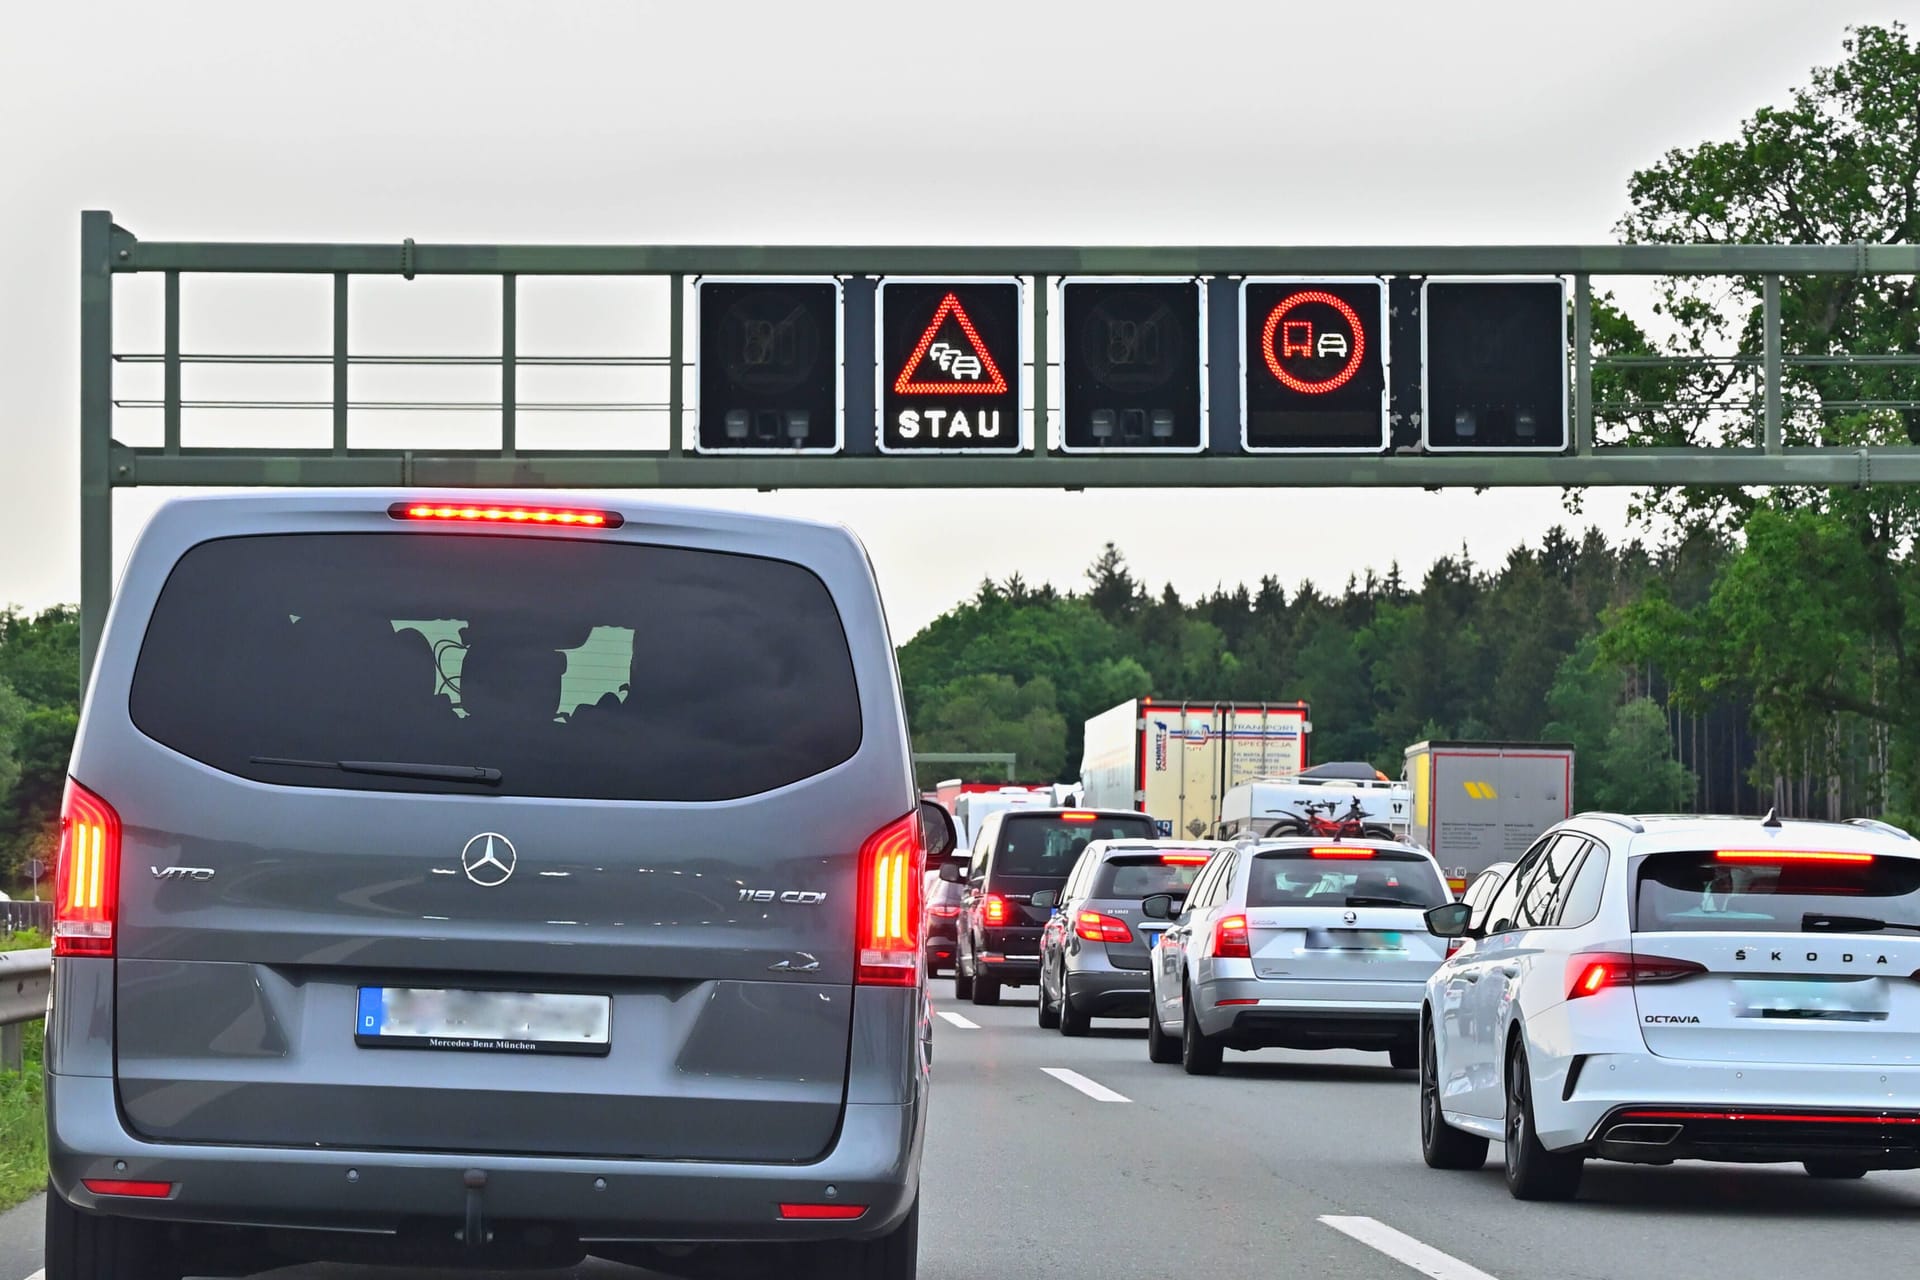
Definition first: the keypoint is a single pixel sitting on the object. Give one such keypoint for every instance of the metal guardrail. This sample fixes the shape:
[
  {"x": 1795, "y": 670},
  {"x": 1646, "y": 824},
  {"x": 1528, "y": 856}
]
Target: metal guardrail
[{"x": 26, "y": 979}]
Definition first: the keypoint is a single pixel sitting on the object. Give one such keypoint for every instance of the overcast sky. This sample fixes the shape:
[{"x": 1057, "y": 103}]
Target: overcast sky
[{"x": 1283, "y": 122}]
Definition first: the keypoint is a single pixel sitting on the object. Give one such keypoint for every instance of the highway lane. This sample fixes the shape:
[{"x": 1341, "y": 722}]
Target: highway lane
[{"x": 1030, "y": 1174}]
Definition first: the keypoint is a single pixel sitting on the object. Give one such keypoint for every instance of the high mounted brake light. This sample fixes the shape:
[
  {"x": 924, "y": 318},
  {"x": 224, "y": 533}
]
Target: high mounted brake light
[
  {"x": 494, "y": 513},
  {"x": 1792, "y": 855},
  {"x": 1341, "y": 851},
  {"x": 889, "y": 907},
  {"x": 1184, "y": 859},
  {"x": 86, "y": 877},
  {"x": 1076, "y": 817}
]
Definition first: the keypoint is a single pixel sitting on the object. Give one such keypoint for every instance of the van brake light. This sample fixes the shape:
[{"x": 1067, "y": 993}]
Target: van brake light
[
  {"x": 86, "y": 875},
  {"x": 494, "y": 513},
  {"x": 995, "y": 910},
  {"x": 889, "y": 909}
]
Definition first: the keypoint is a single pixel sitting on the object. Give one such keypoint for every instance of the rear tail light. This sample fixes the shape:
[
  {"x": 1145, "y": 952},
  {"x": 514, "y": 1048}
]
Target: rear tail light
[
  {"x": 943, "y": 913},
  {"x": 1095, "y": 927},
  {"x": 1597, "y": 971},
  {"x": 123, "y": 1187},
  {"x": 86, "y": 886},
  {"x": 995, "y": 910},
  {"x": 493, "y": 513},
  {"x": 1792, "y": 855},
  {"x": 822, "y": 1212},
  {"x": 889, "y": 911},
  {"x": 1222, "y": 1004},
  {"x": 1230, "y": 939},
  {"x": 1453, "y": 945},
  {"x": 1342, "y": 851}
]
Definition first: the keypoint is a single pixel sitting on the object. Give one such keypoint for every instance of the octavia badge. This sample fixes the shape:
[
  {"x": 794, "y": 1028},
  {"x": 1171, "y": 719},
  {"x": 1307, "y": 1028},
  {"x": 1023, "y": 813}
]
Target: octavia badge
[{"x": 489, "y": 859}]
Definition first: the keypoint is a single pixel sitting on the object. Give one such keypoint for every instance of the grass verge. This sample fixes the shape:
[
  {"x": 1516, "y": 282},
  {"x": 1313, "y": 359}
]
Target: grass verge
[{"x": 23, "y": 1125}]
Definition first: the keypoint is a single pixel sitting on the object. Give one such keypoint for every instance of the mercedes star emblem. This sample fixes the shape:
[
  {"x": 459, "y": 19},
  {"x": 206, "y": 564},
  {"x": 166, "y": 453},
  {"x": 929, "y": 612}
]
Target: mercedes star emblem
[{"x": 489, "y": 859}]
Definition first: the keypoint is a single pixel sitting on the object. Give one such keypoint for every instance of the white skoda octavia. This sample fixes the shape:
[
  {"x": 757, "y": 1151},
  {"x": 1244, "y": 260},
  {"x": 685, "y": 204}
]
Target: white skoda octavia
[{"x": 1660, "y": 989}]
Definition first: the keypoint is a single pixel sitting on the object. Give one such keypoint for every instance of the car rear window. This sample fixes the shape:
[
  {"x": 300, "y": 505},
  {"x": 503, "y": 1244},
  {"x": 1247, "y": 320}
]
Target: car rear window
[
  {"x": 577, "y": 669},
  {"x": 1048, "y": 844},
  {"x": 1732, "y": 891},
  {"x": 1286, "y": 878},
  {"x": 1141, "y": 875}
]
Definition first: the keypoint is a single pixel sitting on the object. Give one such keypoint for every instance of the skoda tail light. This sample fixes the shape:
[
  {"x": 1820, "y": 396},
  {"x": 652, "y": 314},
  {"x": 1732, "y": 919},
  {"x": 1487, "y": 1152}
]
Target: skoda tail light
[
  {"x": 1596, "y": 971},
  {"x": 1230, "y": 939}
]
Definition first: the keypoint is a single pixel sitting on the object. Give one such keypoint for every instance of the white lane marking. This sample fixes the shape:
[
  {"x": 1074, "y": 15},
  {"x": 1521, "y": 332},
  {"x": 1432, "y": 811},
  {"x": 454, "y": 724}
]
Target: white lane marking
[
  {"x": 1401, "y": 1247},
  {"x": 965, "y": 1024},
  {"x": 1092, "y": 1088},
  {"x": 39, "y": 1275}
]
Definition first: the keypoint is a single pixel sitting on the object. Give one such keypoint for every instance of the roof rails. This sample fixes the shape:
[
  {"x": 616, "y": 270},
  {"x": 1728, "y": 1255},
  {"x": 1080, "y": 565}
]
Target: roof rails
[
  {"x": 1884, "y": 828},
  {"x": 1618, "y": 819}
]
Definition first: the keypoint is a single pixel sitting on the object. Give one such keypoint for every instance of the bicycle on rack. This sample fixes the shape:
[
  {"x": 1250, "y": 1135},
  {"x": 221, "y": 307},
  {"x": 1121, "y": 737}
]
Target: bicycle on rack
[{"x": 1317, "y": 820}]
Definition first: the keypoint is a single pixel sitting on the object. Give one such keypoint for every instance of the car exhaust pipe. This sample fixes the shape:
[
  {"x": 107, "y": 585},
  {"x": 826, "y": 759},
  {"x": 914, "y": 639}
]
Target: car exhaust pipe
[{"x": 1642, "y": 1135}]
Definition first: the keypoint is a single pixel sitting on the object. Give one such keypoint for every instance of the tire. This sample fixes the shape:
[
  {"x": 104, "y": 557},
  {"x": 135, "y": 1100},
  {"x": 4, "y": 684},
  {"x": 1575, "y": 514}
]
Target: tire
[
  {"x": 1072, "y": 1021},
  {"x": 986, "y": 988},
  {"x": 1200, "y": 1053},
  {"x": 1049, "y": 1012},
  {"x": 962, "y": 981},
  {"x": 1161, "y": 1047},
  {"x": 1442, "y": 1145},
  {"x": 1285, "y": 827},
  {"x": 1372, "y": 832},
  {"x": 895, "y": 1256},
  {"x": 1533, "y": 1172},
  {"x": 1404, "y": 1057},
  {"x": 1837, "y": 1168},
  {"x": 91, "y": 1246}
]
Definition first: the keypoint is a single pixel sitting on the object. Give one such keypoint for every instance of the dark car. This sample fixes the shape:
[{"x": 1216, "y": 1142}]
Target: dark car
[
  {"x": 943, "y": 923},
  {"x": 1096, "y": 950},
  {"x": 1016, "y": 854},
  {"x": 488, "y": 883}
]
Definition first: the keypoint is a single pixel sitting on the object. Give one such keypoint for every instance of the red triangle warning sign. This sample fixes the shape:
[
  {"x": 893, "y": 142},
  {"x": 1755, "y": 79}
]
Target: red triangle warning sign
[{"x": 962, "y": 372}]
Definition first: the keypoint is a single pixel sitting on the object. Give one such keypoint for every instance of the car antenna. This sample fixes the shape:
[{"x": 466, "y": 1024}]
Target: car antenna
[{"x": 1772, "y": 819}]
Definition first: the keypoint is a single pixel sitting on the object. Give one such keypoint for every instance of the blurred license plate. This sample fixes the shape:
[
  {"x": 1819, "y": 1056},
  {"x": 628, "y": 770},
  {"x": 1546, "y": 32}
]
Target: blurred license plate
[
  {"x": 483, "y": 1021},
  {"x": 1150, "y": 936},
  {"x": 1354, "y": 940}
]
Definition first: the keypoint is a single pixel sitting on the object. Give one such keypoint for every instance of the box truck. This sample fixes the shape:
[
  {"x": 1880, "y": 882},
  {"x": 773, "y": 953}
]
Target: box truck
[
  {"x": 1176, "y": 759},
  {"x": 1477, "y": 803}
]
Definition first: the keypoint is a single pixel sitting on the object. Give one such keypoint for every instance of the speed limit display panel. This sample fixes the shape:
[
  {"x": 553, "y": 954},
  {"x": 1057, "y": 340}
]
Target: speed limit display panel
[{"x": 1133, "y": 356}]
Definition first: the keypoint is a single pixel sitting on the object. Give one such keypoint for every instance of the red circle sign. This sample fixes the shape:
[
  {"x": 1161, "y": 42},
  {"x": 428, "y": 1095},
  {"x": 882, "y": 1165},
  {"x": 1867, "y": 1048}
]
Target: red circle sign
[{"x": 1347, "y": 371}]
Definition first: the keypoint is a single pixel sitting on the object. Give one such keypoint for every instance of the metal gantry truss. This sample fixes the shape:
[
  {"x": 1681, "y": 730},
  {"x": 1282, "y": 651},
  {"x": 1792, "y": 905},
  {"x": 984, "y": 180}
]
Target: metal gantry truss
[{"x": 108, "y": 251}]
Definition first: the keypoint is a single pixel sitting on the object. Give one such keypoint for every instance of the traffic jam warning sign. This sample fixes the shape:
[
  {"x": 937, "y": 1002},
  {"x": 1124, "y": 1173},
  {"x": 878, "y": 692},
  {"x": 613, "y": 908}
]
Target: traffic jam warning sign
[
  {"x": 951, "y": 361},
  {"x": 1313, "y": 371}
]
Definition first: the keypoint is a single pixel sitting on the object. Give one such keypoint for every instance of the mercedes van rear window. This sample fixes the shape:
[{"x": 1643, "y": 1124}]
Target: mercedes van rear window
[
  {"x": 488, "y": 664},
  {"x": 1048, "y": 844},
  {"x": 1350, "y": 878},
  {"x": 1776, "y": 891}
]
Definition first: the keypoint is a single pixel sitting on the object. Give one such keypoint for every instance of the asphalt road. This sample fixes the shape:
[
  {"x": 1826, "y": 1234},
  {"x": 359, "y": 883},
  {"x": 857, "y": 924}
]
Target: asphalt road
[{"x": 1290, "y": 1165}]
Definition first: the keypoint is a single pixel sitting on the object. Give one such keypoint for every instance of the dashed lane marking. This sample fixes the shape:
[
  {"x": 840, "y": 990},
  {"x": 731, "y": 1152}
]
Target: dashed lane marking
[
  {"x": 1401, "y": 1247},
  {"x": 965, "y": 1024},
  {"x": 1092, "y": 1088}
]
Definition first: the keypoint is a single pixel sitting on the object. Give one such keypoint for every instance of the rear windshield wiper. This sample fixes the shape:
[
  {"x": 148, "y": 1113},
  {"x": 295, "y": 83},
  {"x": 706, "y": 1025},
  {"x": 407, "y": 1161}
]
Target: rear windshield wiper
[
  {"x": 1814, "y": 922},
  {"x": 1380, "y": 902},
  {"x": 393, "y": 769}
]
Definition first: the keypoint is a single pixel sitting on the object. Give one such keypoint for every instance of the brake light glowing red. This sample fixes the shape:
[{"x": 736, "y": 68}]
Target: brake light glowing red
[
  {"x": 86, "y": 884},
  {"x": 1777, "y": 1117},
  {"x": 492, "y": 513},
  {"x": 995, "y": 909},
  {"x": 943, "y": 912},
  {"x": 1095, "y": 927},
  {"x": 1076, "y": 817},
  {"x": 889, "y": 909},
  {"x": 1222, "y": 1004},
  {"x": 1597, "y": 971},
  {"x": 1342, "y": 851},
  {"x": 822, "y": 1212},
  {"x": 1184, "y": 859},
  {"x": 124, "y": 1187},
  {"x": 1230, "y": 939},
  {"x": 1792, "y": 855}
]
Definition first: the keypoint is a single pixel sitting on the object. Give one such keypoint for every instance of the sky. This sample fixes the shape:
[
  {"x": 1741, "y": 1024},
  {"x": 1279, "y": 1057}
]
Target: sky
[{"x": 876, "y": 121}]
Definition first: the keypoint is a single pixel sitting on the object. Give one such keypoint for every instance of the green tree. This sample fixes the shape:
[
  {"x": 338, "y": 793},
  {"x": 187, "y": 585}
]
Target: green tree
[
  {"x": 13, "y": 715},
  {"x": 1637, "y": 772},
  {"x": 994, "y": 713}
]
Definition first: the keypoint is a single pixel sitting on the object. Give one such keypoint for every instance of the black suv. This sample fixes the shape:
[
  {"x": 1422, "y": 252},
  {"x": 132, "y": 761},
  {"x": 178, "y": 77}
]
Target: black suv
[{"x": 1016, "y": 854}]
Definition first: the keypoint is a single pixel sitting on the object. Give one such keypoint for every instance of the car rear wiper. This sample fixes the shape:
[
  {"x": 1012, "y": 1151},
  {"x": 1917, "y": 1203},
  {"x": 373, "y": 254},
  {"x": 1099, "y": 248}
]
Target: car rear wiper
[
  {"x": 1380, "y": 902},
  {"x": 1814, "y": 922},
  {"x": 394, "y": 769}
]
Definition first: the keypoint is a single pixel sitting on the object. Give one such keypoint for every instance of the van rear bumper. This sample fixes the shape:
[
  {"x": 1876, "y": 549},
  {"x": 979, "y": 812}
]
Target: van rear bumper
[{"x": 874, "y": 1162}]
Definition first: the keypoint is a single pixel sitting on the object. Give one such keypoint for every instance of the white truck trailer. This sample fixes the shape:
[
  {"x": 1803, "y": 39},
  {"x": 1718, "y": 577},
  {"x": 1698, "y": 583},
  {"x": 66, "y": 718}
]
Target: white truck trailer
[
  {"x": 1176, "y": 759},
  {"x": 1477, "y": 803}
]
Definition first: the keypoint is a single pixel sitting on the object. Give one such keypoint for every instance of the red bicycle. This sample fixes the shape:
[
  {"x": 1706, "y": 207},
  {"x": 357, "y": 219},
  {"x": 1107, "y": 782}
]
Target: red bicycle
[{"x": 1320, "y": 823}]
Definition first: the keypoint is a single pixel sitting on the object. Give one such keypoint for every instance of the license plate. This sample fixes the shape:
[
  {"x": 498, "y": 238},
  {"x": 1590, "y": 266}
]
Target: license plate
[
  {"x": 483, "y": 1021},
  {"x": 1354, "y": 940},
  {"x": 1150, "y": 936}
]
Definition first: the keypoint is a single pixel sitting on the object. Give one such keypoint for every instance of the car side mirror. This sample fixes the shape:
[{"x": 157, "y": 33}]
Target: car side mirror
[
  {"x": 1161, "y": 906},
  {"x": 937, "y": 835},
  {"x": 1450, "y": 921},
  {"x": 1046, "y": 899},
  {"x": 954, "y": 871}
]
